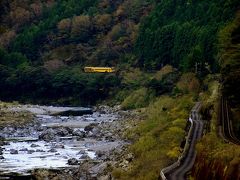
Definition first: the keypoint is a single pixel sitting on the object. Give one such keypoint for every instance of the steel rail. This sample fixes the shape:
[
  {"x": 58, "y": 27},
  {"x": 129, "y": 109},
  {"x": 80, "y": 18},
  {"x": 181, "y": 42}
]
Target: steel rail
[{"x": 227, "y": 132}]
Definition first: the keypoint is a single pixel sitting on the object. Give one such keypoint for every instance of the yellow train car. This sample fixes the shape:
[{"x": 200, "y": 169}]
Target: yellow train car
[{"x": 99, "y": 69}]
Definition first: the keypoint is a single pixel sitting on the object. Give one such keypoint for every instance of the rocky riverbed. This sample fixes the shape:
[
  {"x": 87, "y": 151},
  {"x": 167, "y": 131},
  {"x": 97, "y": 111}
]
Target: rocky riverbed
[{"x": 58, "y": 144}]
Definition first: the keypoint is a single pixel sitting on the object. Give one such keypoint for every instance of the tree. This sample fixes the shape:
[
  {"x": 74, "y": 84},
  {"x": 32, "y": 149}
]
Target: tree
[
  {"x": 116, "y": 32},
  {"x": 37, "y": 9},
  {"x": 81, "y": 27},
  {"x": 103, "y": 22},
  {"x": 188, "y": 83},
  {"x": 64, "y": 25},
  {"x": 6, "y": 38},
  {"x": 20, "y": 16}
]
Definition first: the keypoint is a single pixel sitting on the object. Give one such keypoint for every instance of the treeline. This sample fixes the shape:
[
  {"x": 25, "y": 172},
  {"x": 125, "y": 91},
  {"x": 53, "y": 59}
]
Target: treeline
[
  {"x": 183, "y": 33},
  {"x": 66, "y": 86}
]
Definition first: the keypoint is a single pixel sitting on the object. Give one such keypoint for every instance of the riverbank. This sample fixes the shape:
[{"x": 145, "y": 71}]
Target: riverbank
[
  {"x": 87, "y": 146},
  {"x": 8, "y": 117}
]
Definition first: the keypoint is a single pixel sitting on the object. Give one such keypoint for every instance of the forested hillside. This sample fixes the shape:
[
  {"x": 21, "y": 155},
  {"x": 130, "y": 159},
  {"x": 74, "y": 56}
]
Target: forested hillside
[
  {"x": 229, "y": 45},
  {"x": 54, "y": 40},
  {"x": 168, "y": 54},
  {"x": 183, "y": 33}
]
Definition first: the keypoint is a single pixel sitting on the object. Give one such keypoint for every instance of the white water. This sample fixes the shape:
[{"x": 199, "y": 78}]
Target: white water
[{"x": 23, "y": 162}]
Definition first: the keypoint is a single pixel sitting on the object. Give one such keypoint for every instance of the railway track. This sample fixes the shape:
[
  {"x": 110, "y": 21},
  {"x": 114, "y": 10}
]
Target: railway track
[
  {"x": 179, "y": 170},
  {"x": 226, "y": 128}
]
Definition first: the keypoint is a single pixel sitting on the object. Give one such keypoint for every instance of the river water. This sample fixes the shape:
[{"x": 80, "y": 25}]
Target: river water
[{"x": 53, "y": 141}]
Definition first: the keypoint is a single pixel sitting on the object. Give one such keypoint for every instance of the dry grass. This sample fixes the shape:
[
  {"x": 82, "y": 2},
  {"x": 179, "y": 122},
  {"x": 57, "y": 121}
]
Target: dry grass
[{"x": 9, "y": 117}]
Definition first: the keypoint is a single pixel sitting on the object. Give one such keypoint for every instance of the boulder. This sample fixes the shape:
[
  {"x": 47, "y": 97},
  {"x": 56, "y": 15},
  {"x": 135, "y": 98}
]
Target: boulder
[
  {"x": 13, "y": 151},
  {"x": 100, "y": 153},
  {"x": 52, "y": 150},
  {"x": 96, "y": 132},
  {"x": 80, "y": 139},
  {"x": 109, "y": 138},
  {"x": 47, "y": 135},
  {"x": 30, "y": 151},
  {"x": 129, "y": 157},
  {"x": 40, "y": 150},
  {"x": 63, "y": 131},
  {"x": 84, "y": 156},
  {"x": 73, "y": 161},
  {"x": 81, "y": 152},
  {"x": 24, "y": 149},
  {"x": 34, "y": 145},
  {"x": 41, "y": 128},
  {"x": 90, "y": 127},
  {"x": 58, "y": 146},
  {"x": 79, "y": 133},
  {"x": 99, "y": 168}
]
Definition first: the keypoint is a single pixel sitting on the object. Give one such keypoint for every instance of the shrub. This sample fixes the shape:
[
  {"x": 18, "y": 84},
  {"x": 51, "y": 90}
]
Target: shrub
[
  {"x": 157, "y": 138},
  {"x": 188, "y": 83},
  {"x": 64, "y": 25},
  {"x": 163, "y": 71},
  {"x": 138, "y": 99}
]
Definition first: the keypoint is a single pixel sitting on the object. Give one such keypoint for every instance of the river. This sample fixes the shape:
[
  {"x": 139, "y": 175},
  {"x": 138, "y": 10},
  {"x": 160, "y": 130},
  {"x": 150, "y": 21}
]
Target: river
[{"x": 55, "y": 140}]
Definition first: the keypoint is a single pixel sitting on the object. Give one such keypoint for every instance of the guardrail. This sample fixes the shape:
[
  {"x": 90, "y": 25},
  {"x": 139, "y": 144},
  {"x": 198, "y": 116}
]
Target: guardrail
[
  {"x": 182, "y": 156},
  {"x": 194, "y": 116}
]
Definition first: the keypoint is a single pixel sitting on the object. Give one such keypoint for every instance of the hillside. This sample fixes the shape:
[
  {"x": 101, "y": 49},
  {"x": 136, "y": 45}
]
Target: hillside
[
  {"x": 168, "y": 54},
  {"x": 54, "y": 40}
]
